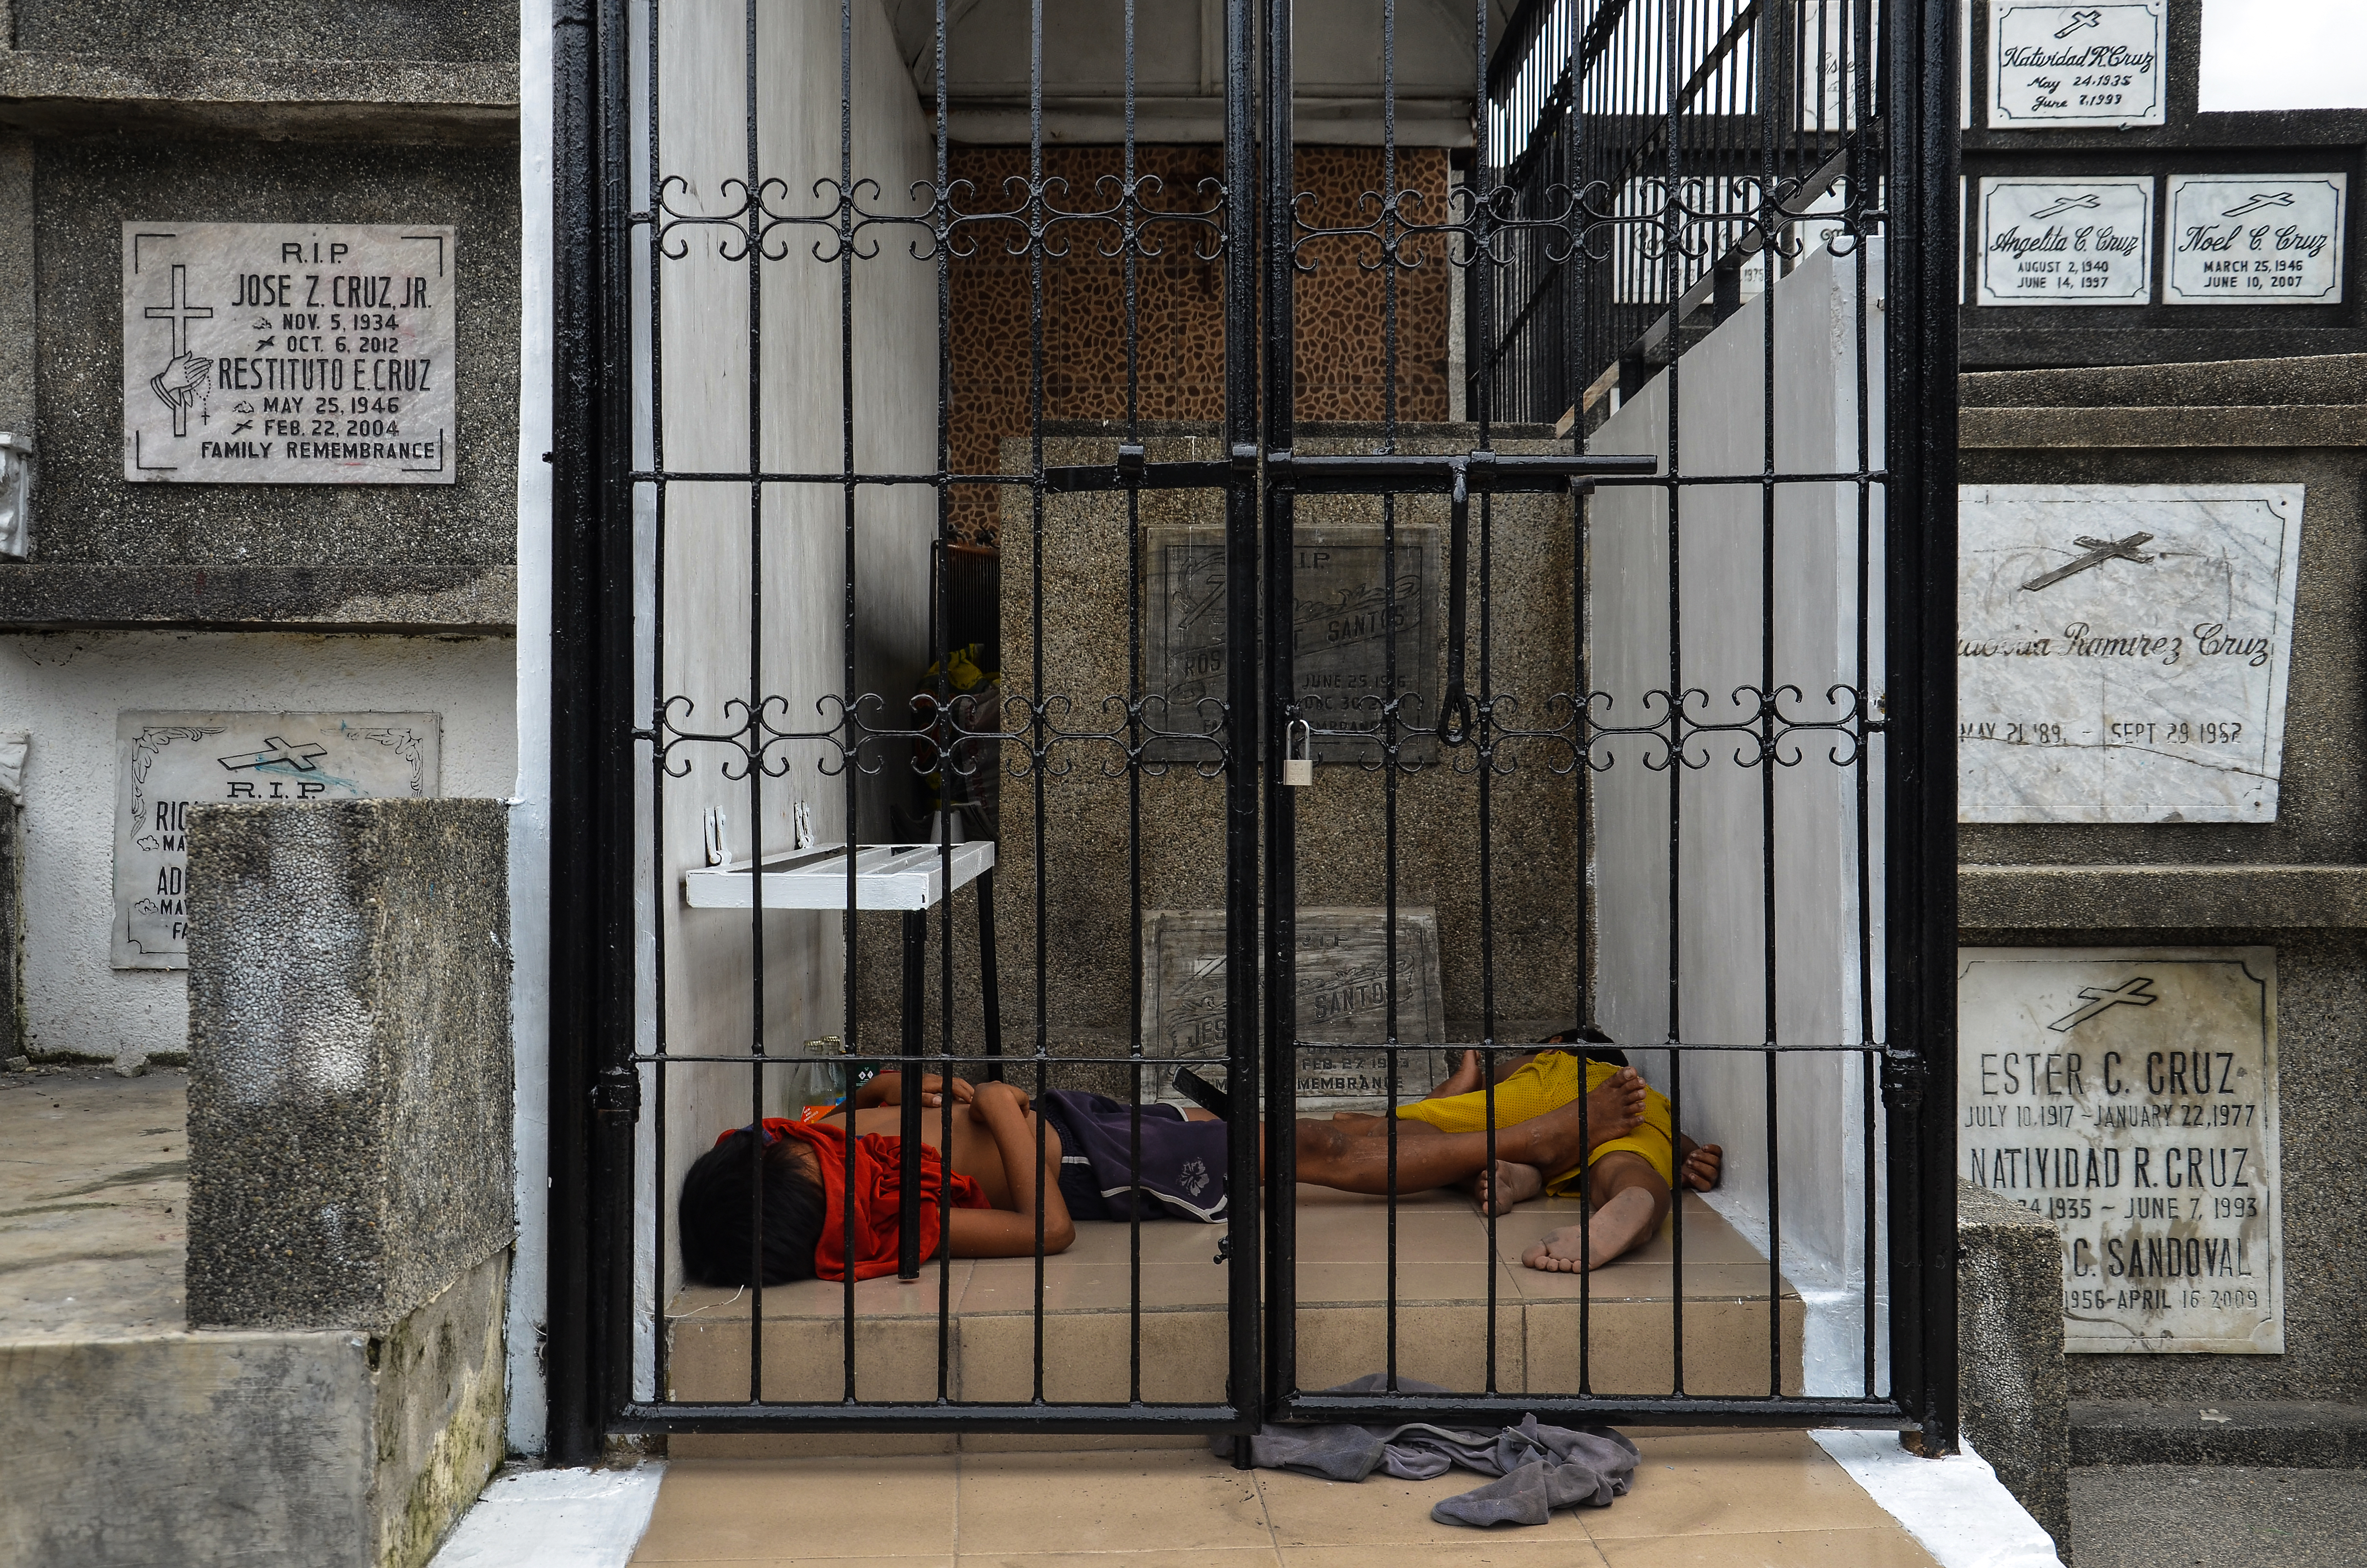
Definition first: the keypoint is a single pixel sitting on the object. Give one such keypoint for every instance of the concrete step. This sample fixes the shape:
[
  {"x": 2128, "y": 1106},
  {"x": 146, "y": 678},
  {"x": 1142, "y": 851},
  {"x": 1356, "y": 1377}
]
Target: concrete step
[
  {"x": 143, "y": 1442},
  {"x": 2270, "y": 1434}
]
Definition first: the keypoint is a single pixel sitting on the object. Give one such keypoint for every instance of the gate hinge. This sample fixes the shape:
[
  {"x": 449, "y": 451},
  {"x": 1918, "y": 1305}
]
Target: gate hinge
[{"x": 616, "y": 1092}]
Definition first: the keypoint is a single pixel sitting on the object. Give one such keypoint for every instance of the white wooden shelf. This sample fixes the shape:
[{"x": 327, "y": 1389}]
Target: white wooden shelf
[{"x": 887, "y": 876}]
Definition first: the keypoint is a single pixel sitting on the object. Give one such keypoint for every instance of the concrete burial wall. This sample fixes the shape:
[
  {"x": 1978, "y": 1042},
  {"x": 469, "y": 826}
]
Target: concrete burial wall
[{"x": 2294, "y": 884}]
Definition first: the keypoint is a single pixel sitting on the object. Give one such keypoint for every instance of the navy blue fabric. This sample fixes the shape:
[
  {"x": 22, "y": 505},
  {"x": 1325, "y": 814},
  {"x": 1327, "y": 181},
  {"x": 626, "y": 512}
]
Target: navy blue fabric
[{"x": 1182, "y": 1171}]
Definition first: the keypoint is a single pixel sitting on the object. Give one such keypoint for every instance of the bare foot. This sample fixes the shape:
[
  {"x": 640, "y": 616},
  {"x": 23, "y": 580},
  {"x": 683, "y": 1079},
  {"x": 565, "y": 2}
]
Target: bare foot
[
  {"x": 1511, "y": 1182},
  {"x": 1615, "y": 1108},
  {"x": 1560, "y": 1139},
  {"x": 1616, "y": 1227},
  {"x": 1704, "y": 1164},
  {"x": 1463, "y": 1080}
]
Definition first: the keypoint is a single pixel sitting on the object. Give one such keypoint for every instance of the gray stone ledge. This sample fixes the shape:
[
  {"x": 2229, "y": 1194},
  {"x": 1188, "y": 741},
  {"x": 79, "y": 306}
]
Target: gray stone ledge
[
  {"x": 398, "y": 100},
  {"x": 2160, "y": 897},
  {"x": 2012, "y": 1384},
  {"x": 2285, "y": 425},
  {"x": 65, "y": 596},
  {"x": 2278, "y": 1433}
]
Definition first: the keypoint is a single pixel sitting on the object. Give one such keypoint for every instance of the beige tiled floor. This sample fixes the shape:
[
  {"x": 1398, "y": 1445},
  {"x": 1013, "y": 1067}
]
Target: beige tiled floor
[{"x": 1733, "y": 1499}]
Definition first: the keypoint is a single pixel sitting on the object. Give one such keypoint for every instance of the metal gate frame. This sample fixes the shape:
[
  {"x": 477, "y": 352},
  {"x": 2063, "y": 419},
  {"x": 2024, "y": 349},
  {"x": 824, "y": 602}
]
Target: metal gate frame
[{"x": 594, "y": 1084}]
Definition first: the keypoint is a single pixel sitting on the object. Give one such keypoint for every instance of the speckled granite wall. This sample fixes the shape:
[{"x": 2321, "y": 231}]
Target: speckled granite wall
[
  {"x": 115, "y": 553},
  {"x": 349, "y": 1058}
]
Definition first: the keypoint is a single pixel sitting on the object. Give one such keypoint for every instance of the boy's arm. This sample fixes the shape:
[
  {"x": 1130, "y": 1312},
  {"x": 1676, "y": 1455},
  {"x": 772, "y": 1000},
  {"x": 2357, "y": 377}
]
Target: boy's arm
[
  {"x": 886, "y": 1089},
  {"x": 1011, "y": 1233}
]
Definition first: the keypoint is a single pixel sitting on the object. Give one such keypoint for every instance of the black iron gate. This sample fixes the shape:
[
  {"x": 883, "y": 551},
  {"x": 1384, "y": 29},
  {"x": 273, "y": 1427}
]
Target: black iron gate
[{"x": 1635, "y": 175}]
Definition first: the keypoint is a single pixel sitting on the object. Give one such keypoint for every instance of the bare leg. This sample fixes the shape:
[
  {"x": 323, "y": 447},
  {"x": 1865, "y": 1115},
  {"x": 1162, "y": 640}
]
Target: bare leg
[
  {"x": 1331, "y": 1155},
  {"x": 1628, "y": 1200}
]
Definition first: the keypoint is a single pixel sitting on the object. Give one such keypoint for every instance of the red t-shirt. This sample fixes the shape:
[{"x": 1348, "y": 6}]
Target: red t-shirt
[{"x": 878, "y": 1196}]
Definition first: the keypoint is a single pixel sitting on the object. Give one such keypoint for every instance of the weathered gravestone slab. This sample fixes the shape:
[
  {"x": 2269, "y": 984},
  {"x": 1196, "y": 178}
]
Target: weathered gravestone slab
[
  {"x": 2255, "y": 239},
  {"x": 2121, "y": 650},
  {"x": 1350, "y": 591},
  {"x": 165, "y": 763},
  {"x": 2066, "y": 242},
  {"x": 1342, "y": 995},
  {"x": 287, "y": 353},
  {"x": 2068, "y": 66},
  {"x": 2130, "y": 1096}
]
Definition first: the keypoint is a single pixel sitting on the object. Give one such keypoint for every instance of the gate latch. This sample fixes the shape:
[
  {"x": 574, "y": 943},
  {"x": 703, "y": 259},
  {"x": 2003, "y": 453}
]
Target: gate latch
[
  {"x": 618, "y": 1092},
  {"x": 1298, "y": 755}
]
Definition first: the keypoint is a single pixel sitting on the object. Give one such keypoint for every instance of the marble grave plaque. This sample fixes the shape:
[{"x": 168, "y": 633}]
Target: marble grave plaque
[
  {"x": 2073, "y": 65},
  {"x": 165, "y": 763},
  {"x": 288, "y": 353},
  {"x": 2121, "y": 650},
  {"x": 2130, "y": 1096},
  {"x": 2255, "y": 239},
  {"x": 1343, "y": 996},
  {"x": 1339, "y": 634},
  {"x": 2066, "y": 242}
]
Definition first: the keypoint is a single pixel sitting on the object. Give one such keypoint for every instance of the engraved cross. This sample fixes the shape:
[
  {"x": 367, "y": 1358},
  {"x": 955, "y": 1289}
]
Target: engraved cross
[
  {"x": 2138, "y": 993},
  {"x": 180, "y": 313},
  {"x": 2098, "y": 552}
]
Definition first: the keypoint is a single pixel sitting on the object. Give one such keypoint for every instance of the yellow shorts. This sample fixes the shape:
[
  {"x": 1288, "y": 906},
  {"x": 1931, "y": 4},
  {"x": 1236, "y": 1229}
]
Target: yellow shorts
[{"x": 1547, "y": 1083}]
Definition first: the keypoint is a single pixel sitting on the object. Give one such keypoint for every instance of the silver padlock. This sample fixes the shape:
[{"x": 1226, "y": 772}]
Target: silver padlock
[{"x": 1298, "y": 755}]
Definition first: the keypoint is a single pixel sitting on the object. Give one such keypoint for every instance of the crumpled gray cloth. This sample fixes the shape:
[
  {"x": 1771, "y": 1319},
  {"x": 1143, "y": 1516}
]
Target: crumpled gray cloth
[{"x": 1541, "y": 1467}]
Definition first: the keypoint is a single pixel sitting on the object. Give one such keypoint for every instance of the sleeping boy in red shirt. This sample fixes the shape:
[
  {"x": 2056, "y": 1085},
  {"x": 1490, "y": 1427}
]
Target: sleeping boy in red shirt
[{"x": 802, "y": 1168}]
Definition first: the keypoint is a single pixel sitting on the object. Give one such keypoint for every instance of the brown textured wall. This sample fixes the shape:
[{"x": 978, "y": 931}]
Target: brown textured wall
[{"x": 1342, "y": 366}]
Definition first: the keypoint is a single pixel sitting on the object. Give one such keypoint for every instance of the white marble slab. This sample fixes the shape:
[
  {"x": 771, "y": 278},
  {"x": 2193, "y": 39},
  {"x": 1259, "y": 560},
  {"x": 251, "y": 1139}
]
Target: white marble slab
[
  {"x": 2072, "y": 65},
  {"x": 2255, "y": 239},
  {"x": 2066, "y": 242},
  {"x": 2138, "y": 677},
  {"x": 2130, "y": 1096},
  {"x": 165, "y": 763},
  {"x": 1342, "y": 992},
  {"x": 288, "y": 353}
]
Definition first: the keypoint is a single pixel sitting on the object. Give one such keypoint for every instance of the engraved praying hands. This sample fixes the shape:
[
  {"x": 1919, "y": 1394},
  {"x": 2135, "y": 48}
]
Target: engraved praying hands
[{"x": 2098, "y": 552}]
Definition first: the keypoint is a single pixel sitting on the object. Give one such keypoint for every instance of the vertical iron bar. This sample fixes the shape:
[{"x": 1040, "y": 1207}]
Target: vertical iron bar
[
  {"x": 1134, "y": 704},
  {"x": 949, "y": 726},
  {"x": 754, "y": 730},
  {"x": 1389, "y": 657},
  {"x": 1261, "y": 724},
  {"x": 1920, "y": 785},
  {"x": 1245, "y": 1190},
  {"x": 1673, "y": 284},
  {"x": 658, "y": 956},
  {"x": 1772, "y": 229},
  {"x": 990, "y": 983},
  {"x": 1036, "y": 186},
  {"x": 907, "y": 1098}
]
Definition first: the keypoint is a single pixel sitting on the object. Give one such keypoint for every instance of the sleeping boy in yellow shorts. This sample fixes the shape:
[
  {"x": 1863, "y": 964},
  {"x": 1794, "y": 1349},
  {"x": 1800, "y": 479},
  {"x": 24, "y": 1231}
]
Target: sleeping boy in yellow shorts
[{"x": 1627, "y": 1178}]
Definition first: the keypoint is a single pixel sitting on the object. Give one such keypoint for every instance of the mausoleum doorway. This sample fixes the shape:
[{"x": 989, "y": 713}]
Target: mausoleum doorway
[{"x": 1227, "y": 555}]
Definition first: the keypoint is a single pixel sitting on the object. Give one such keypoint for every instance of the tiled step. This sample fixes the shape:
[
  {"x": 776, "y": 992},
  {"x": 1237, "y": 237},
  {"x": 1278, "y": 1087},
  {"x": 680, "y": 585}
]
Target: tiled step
[{"x": 1443, "y": 1317}]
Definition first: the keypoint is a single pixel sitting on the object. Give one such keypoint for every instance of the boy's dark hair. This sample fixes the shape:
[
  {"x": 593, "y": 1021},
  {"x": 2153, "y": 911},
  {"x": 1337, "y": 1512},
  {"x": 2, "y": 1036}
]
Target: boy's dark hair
[
  {"x": 1592, "y": 1035},
  {"x": 714, "y": 1216}
]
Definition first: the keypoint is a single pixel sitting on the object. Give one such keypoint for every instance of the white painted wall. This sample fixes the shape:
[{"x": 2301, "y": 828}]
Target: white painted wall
[
  {"x": 65, "y": 689},
  {"x": 1721, "y": 925},
  {"x": 798, "y": 645}
]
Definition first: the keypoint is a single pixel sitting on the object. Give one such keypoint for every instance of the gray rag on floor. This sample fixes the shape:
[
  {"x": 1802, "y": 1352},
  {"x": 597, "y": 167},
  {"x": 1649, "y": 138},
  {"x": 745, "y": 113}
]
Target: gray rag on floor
[{"x": 1542, "y": 1468}]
